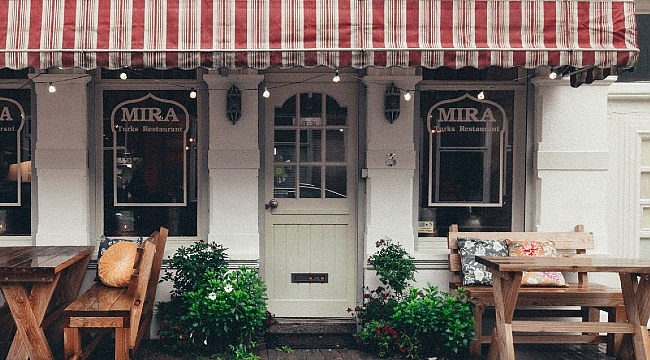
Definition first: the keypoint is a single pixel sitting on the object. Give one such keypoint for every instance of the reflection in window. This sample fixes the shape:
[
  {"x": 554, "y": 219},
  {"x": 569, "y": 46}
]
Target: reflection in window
[
  {"x": 15, "y": 162},
  {"x": 309, "y": 154},
  {"x": 150, "y": 162}
]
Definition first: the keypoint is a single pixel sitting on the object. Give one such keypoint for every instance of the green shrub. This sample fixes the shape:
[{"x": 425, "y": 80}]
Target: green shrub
[
  {"x": 228, "y": 309},
  {"x": 408, "y": 322},
  {"x": 189, "y": 264},
  {"x": 393, "y": 265},
  {"x": 212, "y": 310}
]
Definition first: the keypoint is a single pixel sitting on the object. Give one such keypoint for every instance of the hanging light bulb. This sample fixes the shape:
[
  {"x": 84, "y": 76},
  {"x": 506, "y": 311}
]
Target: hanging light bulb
[
  {"x": 192, "y": 94},
  {"x": 51, "y": 88},
  {"x": 123, "y": 76},
  {"x": 336, "y": 77},
  {"x": 407, "y": 96},
  {"x": 552, "y": 75},
  {"x": 481, "y": 95},
  {"x": 266, "y": 94}
]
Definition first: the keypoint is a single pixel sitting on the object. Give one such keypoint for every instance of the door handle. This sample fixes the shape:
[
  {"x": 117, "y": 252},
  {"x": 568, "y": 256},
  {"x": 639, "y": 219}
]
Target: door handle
[{"x": 272, "y": 204}]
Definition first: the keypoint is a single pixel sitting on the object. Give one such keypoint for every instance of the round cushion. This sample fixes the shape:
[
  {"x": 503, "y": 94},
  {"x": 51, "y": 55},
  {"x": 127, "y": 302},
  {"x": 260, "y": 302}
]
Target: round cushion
[{"x": 115, "y": 267}]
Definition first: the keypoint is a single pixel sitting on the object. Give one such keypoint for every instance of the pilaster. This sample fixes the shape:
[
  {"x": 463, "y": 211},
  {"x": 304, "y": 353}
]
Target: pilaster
[
  {"x": 61, "y": 157},
  {"x": 233, "y": 165}
]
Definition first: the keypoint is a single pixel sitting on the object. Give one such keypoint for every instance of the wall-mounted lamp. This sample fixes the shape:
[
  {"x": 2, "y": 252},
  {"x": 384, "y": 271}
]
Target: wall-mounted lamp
[
  {"x": 233, "y": 104},
  {"x": 391, "y": 103}
]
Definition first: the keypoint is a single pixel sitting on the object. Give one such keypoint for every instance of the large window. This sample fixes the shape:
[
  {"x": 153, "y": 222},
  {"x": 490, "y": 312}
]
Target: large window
[
  {"x": 15, "y": 162},
  {"x": 149, "y": 162},
  {"x": 468, "y": 160}
]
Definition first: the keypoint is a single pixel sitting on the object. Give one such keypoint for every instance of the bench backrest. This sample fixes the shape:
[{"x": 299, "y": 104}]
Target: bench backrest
[
  {"x": 137, "y": 289},
  {"x": 567, "y": 243},
  {"x": 159, "y": 238}
]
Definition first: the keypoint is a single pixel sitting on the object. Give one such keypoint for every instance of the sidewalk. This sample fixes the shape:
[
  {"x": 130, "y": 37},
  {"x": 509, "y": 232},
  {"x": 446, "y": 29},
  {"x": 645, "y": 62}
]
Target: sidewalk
[{"x": 149, "y": 351}]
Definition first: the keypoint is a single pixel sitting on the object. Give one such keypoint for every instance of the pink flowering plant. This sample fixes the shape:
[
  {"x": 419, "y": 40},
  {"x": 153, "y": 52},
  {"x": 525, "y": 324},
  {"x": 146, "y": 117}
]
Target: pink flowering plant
[{"x": 399, "y": 321}]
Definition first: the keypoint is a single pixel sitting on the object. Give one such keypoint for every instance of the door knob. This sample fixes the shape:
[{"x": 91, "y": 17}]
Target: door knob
[{"x": 272, "y": 204}]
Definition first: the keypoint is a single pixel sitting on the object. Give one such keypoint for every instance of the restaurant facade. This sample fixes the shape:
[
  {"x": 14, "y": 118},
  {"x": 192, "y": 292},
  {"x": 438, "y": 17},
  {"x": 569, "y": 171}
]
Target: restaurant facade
[{"x": 298, "y": 133}]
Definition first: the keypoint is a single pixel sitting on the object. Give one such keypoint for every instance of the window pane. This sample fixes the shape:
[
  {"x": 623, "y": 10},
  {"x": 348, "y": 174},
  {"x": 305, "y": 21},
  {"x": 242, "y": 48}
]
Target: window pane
[
  {"x": 311, "y": 105},
  {"x": 284, "y": 149},
  {"x": 310, "y": 182},
  {"x": 310, "y": 145},
  {"x": 335, "y": 182},
  {"x": 284, "y": 181},
  {"x": 645, "y": 185},
  {"x": 150, "y": 162},
  {"x": 335, "y": 145},
  {"x": 645, "y": 218},
  {"x": 15, "y": 162},
  {"x": 461, "y": 177},
  {"x": 286, "y": 114},
  {"x": 645, "y": 152},
  {"x": 336, "y": 115}
]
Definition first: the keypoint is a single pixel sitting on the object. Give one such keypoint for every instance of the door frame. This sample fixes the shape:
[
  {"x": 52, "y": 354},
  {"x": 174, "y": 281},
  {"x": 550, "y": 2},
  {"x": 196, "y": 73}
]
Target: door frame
[{"x": 294, "y": 81}]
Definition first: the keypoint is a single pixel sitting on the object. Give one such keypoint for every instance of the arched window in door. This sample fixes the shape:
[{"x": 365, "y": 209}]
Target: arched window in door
[{"x": 309, "y": 149}]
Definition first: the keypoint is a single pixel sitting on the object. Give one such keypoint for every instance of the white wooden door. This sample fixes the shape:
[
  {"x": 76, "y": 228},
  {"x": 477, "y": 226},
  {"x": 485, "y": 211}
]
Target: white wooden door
[{"x": 310, "y": 245}]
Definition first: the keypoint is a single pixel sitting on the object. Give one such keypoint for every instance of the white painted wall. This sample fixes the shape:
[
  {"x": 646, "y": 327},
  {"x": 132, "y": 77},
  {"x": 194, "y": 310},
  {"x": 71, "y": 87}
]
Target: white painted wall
[{"x": 61, "y": 160}]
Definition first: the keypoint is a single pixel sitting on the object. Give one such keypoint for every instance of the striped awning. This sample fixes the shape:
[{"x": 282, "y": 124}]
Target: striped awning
[{"x": 335, "y": 33}]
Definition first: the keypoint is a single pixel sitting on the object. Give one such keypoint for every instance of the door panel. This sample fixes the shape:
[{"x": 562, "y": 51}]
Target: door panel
[{"x": 310, "y": 242}]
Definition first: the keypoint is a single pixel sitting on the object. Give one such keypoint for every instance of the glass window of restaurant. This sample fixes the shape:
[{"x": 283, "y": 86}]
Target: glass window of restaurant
[
  {"x": 150, "y": 153},
  {"x": 472, "y": 150},
  {"x": 16, "y": 153}
]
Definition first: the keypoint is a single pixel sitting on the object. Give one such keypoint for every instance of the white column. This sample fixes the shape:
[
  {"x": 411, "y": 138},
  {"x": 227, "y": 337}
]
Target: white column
[
  {"x": 571, "y": 158},
  {"x": 233, "y": 165},
  {"x": 390, "y": 166},
  {"x": 61, "y": 160}
]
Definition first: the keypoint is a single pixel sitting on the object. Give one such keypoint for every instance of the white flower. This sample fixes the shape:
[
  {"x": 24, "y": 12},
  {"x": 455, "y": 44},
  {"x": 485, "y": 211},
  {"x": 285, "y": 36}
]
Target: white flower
[
  {"x": 227, "y": 288},
  {"x": 205, "y": 342},
  {"x": 212, "y": 296}
]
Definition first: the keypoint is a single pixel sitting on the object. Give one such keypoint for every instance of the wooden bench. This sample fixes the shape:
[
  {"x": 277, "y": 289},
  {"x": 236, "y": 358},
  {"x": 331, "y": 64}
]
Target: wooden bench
[
  {"x": 127, "y": 311},
  {"x": 581, "y": 299}
]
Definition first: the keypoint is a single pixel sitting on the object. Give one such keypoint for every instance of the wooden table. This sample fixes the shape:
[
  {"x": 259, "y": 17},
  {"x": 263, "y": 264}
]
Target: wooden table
[
  {"x": 35, "y": 281},
  {"x": 634, "y": 275}
]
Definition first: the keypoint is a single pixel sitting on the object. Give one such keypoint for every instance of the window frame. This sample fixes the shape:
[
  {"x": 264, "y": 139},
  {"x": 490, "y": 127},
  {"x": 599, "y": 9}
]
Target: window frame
[{"x": 97, "y": 162}]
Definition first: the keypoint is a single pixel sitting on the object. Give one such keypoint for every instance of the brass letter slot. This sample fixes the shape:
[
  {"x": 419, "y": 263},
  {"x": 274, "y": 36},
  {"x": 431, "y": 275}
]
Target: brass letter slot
[{"x": 309, "y": 278}]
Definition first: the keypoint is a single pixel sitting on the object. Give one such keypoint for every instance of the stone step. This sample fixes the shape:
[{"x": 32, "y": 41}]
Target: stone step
[{"x": 311, "y": 333}]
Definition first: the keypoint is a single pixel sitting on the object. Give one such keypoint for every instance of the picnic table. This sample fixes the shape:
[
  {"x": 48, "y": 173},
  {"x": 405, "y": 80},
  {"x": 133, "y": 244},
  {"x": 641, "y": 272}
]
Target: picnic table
[
  {"x": 37, "y": 282},
  {"x": 634, "y": 275}
]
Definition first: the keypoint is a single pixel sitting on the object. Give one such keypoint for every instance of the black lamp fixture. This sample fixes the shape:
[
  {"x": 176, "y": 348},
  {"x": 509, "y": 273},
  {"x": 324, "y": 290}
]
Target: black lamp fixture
[
  {"x": 391, "y": 103},
  {"x": 233, "y": 104}
]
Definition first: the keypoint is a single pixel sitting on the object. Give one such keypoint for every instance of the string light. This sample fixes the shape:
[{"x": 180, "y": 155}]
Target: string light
[
  {"x": 481, "y": 95},
  {"x": 123, "y": 76},
  {"x": 407, "y": 96},
  {"x": 552, "y": 75},
  {"x": 51, "y": 88},
  {"x": 336, "y": 77},
  {"x": 192, "y": 94},
  {"x": 266, "y": 94}
]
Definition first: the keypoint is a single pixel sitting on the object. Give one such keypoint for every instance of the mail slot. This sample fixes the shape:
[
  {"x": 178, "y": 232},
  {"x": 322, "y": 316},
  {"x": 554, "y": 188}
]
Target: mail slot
[{"x": 311, "y": 278}]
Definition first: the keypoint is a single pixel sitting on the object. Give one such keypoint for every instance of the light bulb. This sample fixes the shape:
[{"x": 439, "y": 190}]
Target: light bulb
[
  {"x": 51, "y": 88},
  {"x": 192, "y": 94},
  {"x": 266, "y": 93},
  {"x": 123, "y": 76},
  {"x": 552, "y": 75},
  {"x": 336, "y": 77},
  {"x": 481, "y": 95},
  {"x": 407, "y": 96}
]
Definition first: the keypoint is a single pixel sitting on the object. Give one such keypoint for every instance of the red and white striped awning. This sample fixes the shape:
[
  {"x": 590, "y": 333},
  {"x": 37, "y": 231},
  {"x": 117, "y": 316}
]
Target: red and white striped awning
[{"x": 335, "y": 33}]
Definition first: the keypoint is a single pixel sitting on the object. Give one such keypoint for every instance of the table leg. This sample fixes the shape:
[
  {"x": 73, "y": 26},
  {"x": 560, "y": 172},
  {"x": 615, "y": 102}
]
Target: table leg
[
  {"x": 506, "y": 289},
  {"x": 636, "y": 294},
  {"x": 28, "y": 312}
]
